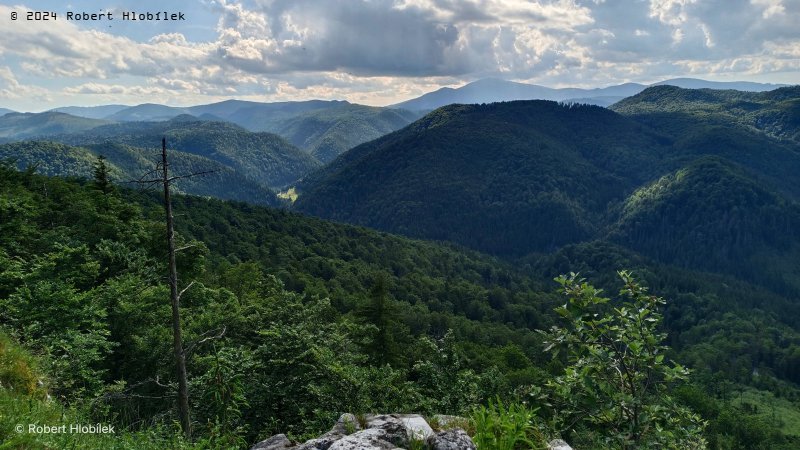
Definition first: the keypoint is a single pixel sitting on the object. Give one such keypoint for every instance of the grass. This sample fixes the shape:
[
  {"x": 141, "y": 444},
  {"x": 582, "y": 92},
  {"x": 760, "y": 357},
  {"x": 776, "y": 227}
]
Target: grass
[
  {"x": 500, "y": 426},
  {"x": 349, "y": 427},
  {"x": 780, "y": 411},
  {"x": 19, "y": 410},
  {"x": 18, "y": 370},
  {"x": 24, "y": 402},
  {"x": 451, "y": 423}
]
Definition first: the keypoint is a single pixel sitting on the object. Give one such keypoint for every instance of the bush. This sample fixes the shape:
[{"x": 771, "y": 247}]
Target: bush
[
  {"x": 505, "y": 427},
  {"x": 617, "y": 380}
]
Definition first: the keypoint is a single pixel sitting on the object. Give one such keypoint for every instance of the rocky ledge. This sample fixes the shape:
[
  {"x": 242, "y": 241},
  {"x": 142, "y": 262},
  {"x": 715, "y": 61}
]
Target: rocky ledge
[{"x": 381, "y": 432}]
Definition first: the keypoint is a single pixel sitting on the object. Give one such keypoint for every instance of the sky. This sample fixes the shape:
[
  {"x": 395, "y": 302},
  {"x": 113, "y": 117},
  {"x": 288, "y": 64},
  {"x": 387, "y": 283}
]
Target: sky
[{"x": 380, "y": 52}]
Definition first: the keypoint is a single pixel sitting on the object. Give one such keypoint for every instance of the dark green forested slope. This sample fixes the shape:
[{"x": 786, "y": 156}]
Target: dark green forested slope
[
  {"x": 321, "y": 257},
  {"x": 50, "y": 158},
  {"x": 756, "y": 130},
  {"x": 128, "y": 163},
  {"x": 28, "y": 125},
  {"x": 774, "y": 113},
  {"x": 507, "y": 178},
  {"x": 81, "y": 283},
  {"x": 520, "y": 177},
  {"x": 262, "y": 157},
  {"x": 327, "y": 133},
  {"x": 711, "y": 215}
]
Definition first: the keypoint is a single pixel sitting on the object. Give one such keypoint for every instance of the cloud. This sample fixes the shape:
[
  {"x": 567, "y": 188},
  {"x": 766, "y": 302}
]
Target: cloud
[
  {"x": 11, "y": 88},
  {"x": 381, "y": 51}
]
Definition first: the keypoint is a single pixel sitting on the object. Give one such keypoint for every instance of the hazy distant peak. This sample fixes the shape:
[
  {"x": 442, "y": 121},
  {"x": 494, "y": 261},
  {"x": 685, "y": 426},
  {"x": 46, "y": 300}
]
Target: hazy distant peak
[{"x": 488, "y": 90}]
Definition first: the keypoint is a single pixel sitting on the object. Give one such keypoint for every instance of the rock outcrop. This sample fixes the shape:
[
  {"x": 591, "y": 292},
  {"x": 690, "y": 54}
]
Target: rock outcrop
[
  {"x": 558, "y": 444},
  {"x": 456, "y": 439},
  {"x": 377, "y": 432},
  {"x": 277, "y": 442}
]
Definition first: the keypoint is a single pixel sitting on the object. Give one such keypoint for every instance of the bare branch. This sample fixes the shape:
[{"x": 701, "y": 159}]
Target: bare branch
[
  {"x": 206, "y": 172},
  {"x": 127, "y": 392},
  {"x": 205, "y": 337},
  {"x": 159, "y": 383},
  {"x": 185, "y": 247},
  {"x": 180, "y": 294}
]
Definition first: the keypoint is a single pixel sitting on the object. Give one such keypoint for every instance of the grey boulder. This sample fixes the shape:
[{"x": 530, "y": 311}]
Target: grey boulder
[
  {"x": 456, "y": 439},
  {"x": 369, "y": 439},
  {"x": 558, "y": 444},
  {"x": 277, "y": 442}
]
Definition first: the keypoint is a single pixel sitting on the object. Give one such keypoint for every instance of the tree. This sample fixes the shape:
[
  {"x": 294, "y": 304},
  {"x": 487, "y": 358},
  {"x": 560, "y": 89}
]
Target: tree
[
  {"x": 617, "y": 380},
  {"x": 389, "y": 335},
  {"x": 164, "y": 179},
  {"x": 101, "y": 181},
  {"x": 175, "y": 297}
]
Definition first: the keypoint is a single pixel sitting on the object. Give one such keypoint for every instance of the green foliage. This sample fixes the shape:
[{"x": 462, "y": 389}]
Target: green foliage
[
  {"x": 101, "y": 178},
  {"x": 382, "y": 315},
  {"x": 443, "y": 382},
  {"x": 81, "y": 283},
  {"x": 19, "y": 371},
  {"x": 24, "y": 400},
  {"x": 49, "y": 158},
  {"x": 617, "y": 380},
  {"x": 500, "y": 426}
]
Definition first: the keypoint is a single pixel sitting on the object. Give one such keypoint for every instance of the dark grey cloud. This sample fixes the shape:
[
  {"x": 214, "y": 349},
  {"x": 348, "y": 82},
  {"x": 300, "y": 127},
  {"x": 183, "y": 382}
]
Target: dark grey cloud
[{"x": 361, "y": 37}]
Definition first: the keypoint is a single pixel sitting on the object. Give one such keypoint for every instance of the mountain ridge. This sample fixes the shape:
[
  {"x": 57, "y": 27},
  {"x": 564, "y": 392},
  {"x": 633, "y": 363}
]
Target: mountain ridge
[{"x": 489, "y": 90}]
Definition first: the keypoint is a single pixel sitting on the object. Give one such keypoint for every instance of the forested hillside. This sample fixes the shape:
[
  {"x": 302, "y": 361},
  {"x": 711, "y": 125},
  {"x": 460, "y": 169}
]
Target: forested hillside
[
  {"x": 775, "y": 113},
  {"x": 700, "y": 207},
  {"x": 520, "y": 177},
  {"x": 28, "y": 125},
  {"x": 327, "y": 133},
  {"x": 127, "y": 164},
  {"x": 711, "y": 216},
  {"x": 506, "y": 178},
  {"x": 324, "y": 129},
  {"x": 336, "y": 318},
  {"x": 262, "y": 157}
]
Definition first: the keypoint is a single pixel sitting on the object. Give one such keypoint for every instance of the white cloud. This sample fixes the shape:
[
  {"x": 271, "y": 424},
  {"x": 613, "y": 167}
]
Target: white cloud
[
  {"x": 771, "y": 7},
  {"x": 383, "y": 51}
]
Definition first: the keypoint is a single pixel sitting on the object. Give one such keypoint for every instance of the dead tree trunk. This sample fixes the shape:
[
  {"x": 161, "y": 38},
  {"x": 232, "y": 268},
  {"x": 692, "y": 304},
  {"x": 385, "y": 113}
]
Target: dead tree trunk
[{"x": 177, "y": 340}]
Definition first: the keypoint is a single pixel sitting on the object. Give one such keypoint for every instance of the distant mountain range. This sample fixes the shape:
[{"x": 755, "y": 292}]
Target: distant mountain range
[
  {"x": 26, "y": 125},
  {"x": 490, "y": 90},
  {"x": 242, "y": 165},
  {"x": 4, "y": 111},
  {"x": 264, "y": 158},
  {"x": 92, "y": 112},
  {"x": 324, "y": 129}
]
